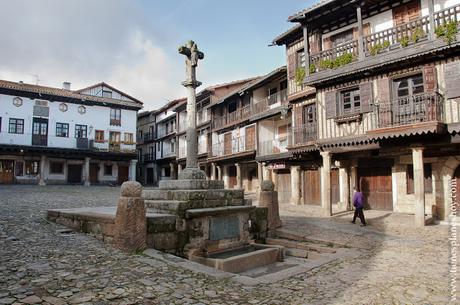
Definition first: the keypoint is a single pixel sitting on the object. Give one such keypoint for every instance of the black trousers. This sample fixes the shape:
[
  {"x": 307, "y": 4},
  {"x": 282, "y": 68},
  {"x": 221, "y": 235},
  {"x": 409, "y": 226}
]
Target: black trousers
[{"x": 359, "y": 213}]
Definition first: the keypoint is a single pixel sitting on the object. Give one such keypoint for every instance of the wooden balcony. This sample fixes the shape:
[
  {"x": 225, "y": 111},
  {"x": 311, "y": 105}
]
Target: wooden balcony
[
  {"x": 231, "y": 118},
  {"x": 335, "y": 57},
  {"x": 235, "y": 146},
  {"x": 267, "y": 102},
  {"x": 273, "y": 147},
  {"x": 303, "y": 135}
]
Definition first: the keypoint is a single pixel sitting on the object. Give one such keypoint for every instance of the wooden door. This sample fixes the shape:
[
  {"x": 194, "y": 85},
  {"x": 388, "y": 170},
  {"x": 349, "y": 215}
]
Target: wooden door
[
  {"x": 457, "y": 179},
  {"x": 123, "y": 173},
  {"x": 250, "y": 138},
  {"x": 228, "y": 143},
  {"x": 74, "y": 172},
  {"x": 335, "y": 187},
  {"x": 231, "y": 176},
  {"x": 284, "y": 185},
  {"x": 149, "y": 175},
  {"x": 312, "y": 187},
  {"x": 40, "y": 132},
  {"x": 6, "y": 172},
  {"x": 375, "y": 183},
  {"x": 94, "y": 173},
  {"x": 406, "y": 12}
]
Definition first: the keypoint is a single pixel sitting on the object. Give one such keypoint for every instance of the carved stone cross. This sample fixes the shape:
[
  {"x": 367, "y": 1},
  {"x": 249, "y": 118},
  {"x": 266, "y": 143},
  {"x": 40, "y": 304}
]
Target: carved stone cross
[{"x": 191, "y": 171}]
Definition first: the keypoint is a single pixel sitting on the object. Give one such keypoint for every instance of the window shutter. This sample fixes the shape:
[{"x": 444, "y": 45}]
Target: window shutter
[
  {"x": 292, "y": 64},
  {"x": 298, "y": 116},
  {"x": 383, "y": 87},
  {"x": 331, "y": 104},
  {"x": 365, "y": 95},
  {"x": 429, "y": 78},
  {"x": 314, "y": 43}
]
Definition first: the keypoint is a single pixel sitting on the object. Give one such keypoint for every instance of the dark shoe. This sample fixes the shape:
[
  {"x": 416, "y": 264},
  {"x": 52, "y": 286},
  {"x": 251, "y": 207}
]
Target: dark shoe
[
  {"x": 363, "y": 225},
  {"x": 352, "y": 222}
]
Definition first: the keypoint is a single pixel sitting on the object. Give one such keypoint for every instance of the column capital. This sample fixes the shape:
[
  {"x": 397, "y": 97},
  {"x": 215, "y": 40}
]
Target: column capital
[
  {"x": 325, "y": 153},
  {"x": 416, "y": 148}
]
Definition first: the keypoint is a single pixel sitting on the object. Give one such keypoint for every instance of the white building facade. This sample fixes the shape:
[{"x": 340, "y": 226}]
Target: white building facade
[{"x": 58, "y": 136}]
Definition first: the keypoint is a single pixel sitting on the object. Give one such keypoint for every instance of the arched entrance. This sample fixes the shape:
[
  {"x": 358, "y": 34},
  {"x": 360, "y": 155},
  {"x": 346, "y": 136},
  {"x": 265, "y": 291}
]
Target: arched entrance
[{"x": 456, "y": 177}]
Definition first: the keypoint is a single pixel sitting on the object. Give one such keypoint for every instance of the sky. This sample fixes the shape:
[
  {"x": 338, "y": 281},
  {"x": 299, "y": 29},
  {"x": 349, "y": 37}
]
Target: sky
[{"x": 132, "y": 44}]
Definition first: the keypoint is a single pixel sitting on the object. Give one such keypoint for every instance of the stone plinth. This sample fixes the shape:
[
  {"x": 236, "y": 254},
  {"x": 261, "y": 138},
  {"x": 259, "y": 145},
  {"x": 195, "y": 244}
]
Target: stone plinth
[
  {"x": 130, "y": 223},
  {"x": 269, "y": 198}
]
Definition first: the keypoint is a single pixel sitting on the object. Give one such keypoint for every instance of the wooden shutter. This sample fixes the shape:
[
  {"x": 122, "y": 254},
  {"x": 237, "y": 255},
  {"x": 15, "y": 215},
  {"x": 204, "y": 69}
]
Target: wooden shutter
[
  {"x": 383, "y": 87},
  {"x": 282, "y": 132},
  {"x": 365, "y": 96},
  {"x": 314, "y": 43},
  {"x": 407, "y": 12},
  {"x": 327, "y": 43},
  {"x": 331, "y": 104},
  {"x": 429, "y": 78},
  {"x": 298, "y": 116},
  {"x": 292, "y": 64}
]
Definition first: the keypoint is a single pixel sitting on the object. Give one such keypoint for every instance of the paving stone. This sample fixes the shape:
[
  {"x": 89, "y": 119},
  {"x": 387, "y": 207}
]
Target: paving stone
[{"x": 31, "y": 300}]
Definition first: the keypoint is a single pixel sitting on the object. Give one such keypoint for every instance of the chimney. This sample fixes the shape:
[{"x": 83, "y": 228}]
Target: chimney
[
  {"x": 21, "y": 82},
  {"x": 66, "y": 85}
]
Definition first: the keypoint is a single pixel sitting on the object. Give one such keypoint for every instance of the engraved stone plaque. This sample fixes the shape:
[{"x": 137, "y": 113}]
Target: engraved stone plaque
[
  {"x": 452, "y": 77},
  {"x": 41, "y": 111},
  {"x": 224, "y": 228}
]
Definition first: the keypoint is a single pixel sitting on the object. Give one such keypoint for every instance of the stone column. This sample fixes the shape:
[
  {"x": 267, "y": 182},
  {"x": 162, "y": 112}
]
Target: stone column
[
  {"x": 179, "y": 169},
  {"x": 275, "y": 179},
  {"x": 268, "y": 198},
  {"x": 326, "y": 203},
  {"x": 132, "y": 170},
  {"x": 295, "y": 185},
  {"x": 213, "y": 171},
  {"x": 226, "y": 177},
  {"x": 239, "y": 178},
  {"x": 219, "y": 172},
  {"x": 344, "y": 188},
  {"x": 41, "y": 178},
  {"x": 353, "y": 183},
  {"x": 266, "y": 172},
  {"x": 86, "y": 174},
  {"x": 172, "y": 170},
  {"x": 419, "y": 186}
]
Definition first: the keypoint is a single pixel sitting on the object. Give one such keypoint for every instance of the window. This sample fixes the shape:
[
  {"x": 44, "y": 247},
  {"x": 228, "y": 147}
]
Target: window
[
  {"x": 114, "y": 137},
  {"x": 129, "y": 137},
  {"x": 115, "y": 116},
  {"x": 107, "y": 93},
  {"x": 350, "y": 101},
  {"x": 342, "y": 38},
  {"x": 158, "y": 147},
  {"x": 16, "y": 126},
  {"x": 108, "y": 170},
  {"x": 32, "y": 168},
  {"x": 19, "y": 170},
  {"x": 300, "y": 58},
  {"x": 408, "y": 86},
  {"x": 56, "y": 168},
  {"x": 62, "y": 130},
  {"x": 410, "y": 178},
  {"x": 232, "y": 107},
  {"x": 99, "y": 136},
  {"x": 80, "y": 131}
]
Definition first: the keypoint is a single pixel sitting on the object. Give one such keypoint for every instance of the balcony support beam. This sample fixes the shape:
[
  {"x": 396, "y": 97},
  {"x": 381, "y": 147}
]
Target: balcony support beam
[
  {"x": 431, "y": 19},
  {"x": 361, "y": 54},
  {"x": 306, "y": 49},
  {"x": 419, "y": 186}
]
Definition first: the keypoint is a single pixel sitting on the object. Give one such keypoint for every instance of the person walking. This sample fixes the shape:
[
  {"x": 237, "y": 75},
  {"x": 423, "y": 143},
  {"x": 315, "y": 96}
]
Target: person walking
[{"x": 359, "y": 206}]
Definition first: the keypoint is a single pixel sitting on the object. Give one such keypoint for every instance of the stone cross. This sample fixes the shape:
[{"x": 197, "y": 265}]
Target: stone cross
[{"x": 192, "y": 54}]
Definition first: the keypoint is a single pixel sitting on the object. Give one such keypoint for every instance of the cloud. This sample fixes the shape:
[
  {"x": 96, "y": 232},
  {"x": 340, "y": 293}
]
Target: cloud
[{"x": 85, "y": 42}]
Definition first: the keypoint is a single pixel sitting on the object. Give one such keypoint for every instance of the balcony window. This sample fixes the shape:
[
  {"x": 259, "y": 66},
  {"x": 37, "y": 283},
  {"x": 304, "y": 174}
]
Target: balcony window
[
  {"x": 80, "y": 131},
  {"x": 409, "y": 86},
  {"x": 350, "y": 101},
  {"x": 115, "y": 117},
  {"x": 62, "y": 130},
  {"x": 129, "y": 138},
  {"x": 342, "y": 38},
  {"x": 16, "y": 126},
  {"x": 99, "y": 136}
]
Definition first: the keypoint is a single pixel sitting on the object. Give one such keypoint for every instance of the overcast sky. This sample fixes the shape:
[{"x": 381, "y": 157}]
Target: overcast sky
[{"x": 132, "y": 44}]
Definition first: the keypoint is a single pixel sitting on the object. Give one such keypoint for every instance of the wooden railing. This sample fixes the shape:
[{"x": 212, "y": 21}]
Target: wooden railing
[
  {"x": 236, "y": 145},
  {"x": 232, "y": 117},
  {"x": 425, "y": 107},
  {"x": 335, "y": 57},
  {"x": 273, "y": 147},
  {"x": 303, "y": 134},
  {"x": 449, "y": 14},
  {"x": 265, "y": 103}
]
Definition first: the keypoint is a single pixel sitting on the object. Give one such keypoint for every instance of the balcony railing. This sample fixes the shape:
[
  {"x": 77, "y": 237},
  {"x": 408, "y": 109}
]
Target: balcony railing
[
  {"x": 397, "y": 37},
  {"x": 236, "y": 145},
  {"x": 273, "y": 147},
  {"x": 303, "y": 134},
  {"x": 162, "y": 131},
  {"x": 266, "y": 103},
  {"x": 148, "y": 158},
  {"x": 425, "y": 107},
  {"x": 232, "y": 117}
]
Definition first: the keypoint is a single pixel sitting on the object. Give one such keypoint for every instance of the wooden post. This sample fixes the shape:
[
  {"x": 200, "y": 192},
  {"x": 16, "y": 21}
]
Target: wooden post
[
  {"x": 431, "y": 19},
  {"x": 360, "y": 34},
  {"x": 306, "y": 49}
]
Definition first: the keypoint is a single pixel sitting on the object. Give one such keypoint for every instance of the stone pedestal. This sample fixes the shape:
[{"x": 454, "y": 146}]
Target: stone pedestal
[
  {"x": 130, "y": 232},
  {"x": 268, "y": 198}
]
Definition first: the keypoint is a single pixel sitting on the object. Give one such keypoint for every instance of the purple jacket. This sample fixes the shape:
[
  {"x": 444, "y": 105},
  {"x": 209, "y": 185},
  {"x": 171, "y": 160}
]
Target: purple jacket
[{"x": 358, "y": 200}]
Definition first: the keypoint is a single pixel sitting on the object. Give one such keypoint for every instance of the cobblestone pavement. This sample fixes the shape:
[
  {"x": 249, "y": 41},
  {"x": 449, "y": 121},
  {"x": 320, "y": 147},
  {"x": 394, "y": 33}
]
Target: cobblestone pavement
[{"x": 398, "y": 265}]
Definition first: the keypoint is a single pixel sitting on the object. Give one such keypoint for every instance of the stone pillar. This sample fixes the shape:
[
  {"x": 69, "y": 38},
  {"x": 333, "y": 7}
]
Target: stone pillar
[
  {"x": 239, "y": 178},
  {"x": 275, "y": 179},
  {"x": 213, "y": 171},
  {"x": 326, "y": 203},
  {"x": 130, "y": 232},
  {"x": 344, "y": 188},
  {"x": 132, "y": 170},
  {"x": 172, "y": 171},
  {"x": 266, "y": 172},
  {"x": 419, "y": 186},
  {"x": 179, "y": 169},
  {"x": 41, "y": 178},
  {"x": 295, "y": 185},
  {"x": 226, "y": 177},
  {"x": 353, "y": 183},
  {"x": 219, "y": 172},
  {"x": 268, "y": 198},
  {"x": 86, "y": 173}
]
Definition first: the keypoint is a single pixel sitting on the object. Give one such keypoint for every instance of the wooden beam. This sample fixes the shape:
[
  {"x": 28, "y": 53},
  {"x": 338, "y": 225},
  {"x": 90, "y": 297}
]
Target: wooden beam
[
  {"x": 306, "y": 49},
  {"x": 361, "y": 54}
]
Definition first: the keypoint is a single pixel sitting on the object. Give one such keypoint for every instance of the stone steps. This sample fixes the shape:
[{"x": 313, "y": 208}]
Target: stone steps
[
  {"x": 299, "y": 245},
  {"x": 186, "y": 195},
  {"x": 292, "y": 235}
]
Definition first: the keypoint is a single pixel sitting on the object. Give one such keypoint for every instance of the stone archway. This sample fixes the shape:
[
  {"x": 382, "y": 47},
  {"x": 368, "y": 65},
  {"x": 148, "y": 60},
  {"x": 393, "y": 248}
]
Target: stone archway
[{"x": 448, "y": 172}]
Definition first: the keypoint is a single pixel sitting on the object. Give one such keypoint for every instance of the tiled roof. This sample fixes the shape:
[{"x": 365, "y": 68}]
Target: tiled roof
[
  {"x": 111, "y": 87},
  {"x": 280, "y": 39},
  {"x": 310, "y": 9},
  {"x": 63, "y": 93}
]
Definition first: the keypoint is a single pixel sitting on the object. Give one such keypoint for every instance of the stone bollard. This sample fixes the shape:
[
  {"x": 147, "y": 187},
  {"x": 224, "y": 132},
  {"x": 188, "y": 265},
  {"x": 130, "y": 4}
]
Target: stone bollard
[
  {"x": 268, "y": 197},
  {"x": 130, "y": 222}
]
